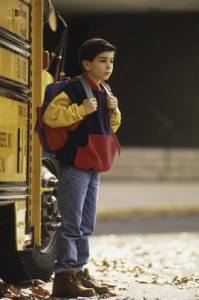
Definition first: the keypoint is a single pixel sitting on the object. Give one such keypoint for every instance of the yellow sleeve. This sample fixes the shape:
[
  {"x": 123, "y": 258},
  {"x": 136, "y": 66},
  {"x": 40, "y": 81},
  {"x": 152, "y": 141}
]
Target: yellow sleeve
[
  {"x": 115, "y": 120},
  {"x": 62, "y": 112}
]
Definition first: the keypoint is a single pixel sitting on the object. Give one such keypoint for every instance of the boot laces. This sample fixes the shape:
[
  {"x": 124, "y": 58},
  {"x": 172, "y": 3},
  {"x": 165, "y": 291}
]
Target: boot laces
[
  {"x": 74, "y": 280},
  {"x": 89, "y": 278}
]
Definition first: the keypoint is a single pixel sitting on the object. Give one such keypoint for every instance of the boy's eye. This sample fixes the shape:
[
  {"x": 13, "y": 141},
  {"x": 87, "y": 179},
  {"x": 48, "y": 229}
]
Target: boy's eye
[
  {"x": 106, "y": 61},
  {"x": 102, "y": 60}
]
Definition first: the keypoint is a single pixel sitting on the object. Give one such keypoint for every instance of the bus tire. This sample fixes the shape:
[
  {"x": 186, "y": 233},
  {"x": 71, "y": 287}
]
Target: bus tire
[{"x": 37, "y": 262}]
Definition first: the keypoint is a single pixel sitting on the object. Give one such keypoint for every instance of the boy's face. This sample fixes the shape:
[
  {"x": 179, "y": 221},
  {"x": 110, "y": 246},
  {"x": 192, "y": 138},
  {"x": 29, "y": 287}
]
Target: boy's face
[{"x": 101, "y": 67}]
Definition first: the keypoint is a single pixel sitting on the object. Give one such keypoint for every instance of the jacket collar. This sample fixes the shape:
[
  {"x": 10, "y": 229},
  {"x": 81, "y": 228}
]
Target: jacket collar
[{"x": 92, "y": 83}]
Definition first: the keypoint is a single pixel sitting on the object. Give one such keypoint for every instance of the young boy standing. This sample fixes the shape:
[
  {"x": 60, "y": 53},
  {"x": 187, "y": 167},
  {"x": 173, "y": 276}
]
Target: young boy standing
[{"x": 89, "y": 150}]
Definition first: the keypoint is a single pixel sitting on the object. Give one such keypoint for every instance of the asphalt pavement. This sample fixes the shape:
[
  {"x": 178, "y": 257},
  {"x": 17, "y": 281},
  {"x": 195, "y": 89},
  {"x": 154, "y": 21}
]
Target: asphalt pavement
[
  {"x": 157, "y": 224},
  {"x": 153, "y": 229}
]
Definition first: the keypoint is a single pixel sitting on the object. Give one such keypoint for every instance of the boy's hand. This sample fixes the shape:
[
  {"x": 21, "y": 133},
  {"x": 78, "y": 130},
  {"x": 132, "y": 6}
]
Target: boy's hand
[
  {"x": 112, "y": 103},
  {"x": 90, "y": 105}
]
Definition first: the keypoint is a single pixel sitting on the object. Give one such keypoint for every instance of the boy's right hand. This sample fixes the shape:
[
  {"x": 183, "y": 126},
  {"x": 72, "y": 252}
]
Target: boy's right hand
[{"x": 90, "y": 105}]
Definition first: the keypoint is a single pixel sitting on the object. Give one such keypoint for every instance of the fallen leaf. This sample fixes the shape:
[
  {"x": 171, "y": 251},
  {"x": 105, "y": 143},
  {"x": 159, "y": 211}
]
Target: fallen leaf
[{"x": 39, "y": 291}]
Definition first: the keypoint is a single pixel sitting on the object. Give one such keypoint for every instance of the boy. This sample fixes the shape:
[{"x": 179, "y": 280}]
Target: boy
[{"x": 89, "y": 150}]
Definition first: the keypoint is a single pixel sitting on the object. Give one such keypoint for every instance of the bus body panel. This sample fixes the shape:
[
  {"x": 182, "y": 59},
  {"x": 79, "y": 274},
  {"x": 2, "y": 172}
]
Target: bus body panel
[
  {"x": 14, "y": 20},
  {"x": 13, "y": 140},
  {"x": 28, "y": 182},
  {"x": 14, "y": 64}
]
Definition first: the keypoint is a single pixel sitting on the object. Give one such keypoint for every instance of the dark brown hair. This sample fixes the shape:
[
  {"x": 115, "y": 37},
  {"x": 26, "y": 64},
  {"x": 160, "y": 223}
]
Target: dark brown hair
[{"x": 92, "y": 47}]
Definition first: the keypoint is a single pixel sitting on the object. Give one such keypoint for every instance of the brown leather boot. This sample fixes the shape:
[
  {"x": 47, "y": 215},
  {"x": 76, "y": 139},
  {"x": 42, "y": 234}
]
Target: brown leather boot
[
  {"x": 88, "y": 281},
  {"x": 66, "y": 285}
]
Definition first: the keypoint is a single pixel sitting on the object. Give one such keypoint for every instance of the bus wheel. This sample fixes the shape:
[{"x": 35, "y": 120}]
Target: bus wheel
[{"x": 38, "y": 262}]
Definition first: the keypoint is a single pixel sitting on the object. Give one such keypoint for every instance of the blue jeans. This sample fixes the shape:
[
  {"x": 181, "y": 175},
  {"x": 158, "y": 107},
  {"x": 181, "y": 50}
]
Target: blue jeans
[{"x": 77, "y": 202}]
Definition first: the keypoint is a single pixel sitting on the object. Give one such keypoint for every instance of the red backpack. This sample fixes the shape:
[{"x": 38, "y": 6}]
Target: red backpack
[{"x": 52, "y": 139}]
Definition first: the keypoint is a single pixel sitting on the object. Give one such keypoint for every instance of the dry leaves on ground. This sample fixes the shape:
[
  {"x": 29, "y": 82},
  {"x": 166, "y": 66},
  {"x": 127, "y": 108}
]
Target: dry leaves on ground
[
  {"x": 123, "y": 260},
  {"x": 148, "y": 261},
  {"x": 33, "y": 290}
]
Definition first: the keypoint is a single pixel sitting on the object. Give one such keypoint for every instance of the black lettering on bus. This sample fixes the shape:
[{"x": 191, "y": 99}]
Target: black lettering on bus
[
  {"x": 21, "y": 69},
  {"x": 2, "y": 139},
  {"x": 5, "y": 140},
  {"x": 2, "y": 165},
  {"x": 21, "y": 111}
]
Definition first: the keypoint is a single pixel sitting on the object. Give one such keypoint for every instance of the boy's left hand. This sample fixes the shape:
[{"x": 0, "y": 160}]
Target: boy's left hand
[{"x": 112, "y": 103}]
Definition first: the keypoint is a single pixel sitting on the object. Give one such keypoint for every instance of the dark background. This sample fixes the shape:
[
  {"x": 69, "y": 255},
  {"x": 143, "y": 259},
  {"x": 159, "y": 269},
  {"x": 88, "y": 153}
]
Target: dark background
[{"x": 156, "y": 72}]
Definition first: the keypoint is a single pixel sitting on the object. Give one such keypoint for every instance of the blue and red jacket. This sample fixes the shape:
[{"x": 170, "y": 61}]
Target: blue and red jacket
[{"x": 93, "y": 144}]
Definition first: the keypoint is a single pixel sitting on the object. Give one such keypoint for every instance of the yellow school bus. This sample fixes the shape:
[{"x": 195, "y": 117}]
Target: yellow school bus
[{"x": 28, "y": 180}]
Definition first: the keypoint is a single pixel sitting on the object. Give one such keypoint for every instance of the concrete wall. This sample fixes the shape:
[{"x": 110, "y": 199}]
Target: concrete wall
[
  {"x": 155, "y": 164},
  {"x": 156, "y": 76}
]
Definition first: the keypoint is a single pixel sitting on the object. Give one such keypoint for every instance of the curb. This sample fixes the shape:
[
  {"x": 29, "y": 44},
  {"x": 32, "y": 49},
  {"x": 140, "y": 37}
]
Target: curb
[{"x": 119, "y": 212}]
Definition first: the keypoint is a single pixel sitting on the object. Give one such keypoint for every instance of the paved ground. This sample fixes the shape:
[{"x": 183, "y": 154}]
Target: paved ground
[
  {"x": 155, "y": 231},
  {"x": 146, "y": 267},
  {"x": 154, "y": 266},
  {"x": 144, "y": 224},
  {"x": 146, "y": 243}
]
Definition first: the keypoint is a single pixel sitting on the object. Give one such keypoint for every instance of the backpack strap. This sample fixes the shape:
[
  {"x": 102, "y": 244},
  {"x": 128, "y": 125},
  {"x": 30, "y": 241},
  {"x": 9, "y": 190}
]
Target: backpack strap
[
  {"x": 107, "y": 91},
  {"x": 86, "y": 85}
]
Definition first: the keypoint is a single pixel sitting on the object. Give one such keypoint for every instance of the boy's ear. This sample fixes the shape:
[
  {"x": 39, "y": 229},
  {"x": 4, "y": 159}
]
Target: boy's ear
[{"x": 86, "y": 64}]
